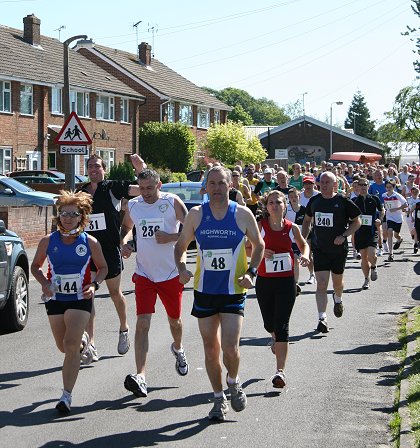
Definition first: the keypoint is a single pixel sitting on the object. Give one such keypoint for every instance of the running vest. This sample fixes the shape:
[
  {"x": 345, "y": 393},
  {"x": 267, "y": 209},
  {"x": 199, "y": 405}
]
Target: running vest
[
  {"x": 154, "y": 261},
  {"x": 282, "y": 263},
  {"x": 221, "y": 255},
  {"x": 68, "y": 267}
]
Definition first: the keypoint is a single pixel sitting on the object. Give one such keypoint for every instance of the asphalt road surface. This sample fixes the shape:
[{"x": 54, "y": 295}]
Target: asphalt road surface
[{"x": 340, "y": 386}]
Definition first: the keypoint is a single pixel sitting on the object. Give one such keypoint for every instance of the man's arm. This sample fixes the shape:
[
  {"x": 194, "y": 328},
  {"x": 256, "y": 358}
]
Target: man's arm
[
  {"x": 180, "y": 212},
  {"x": 306, "y": 226},
  {"x": 125, "y": 234}
]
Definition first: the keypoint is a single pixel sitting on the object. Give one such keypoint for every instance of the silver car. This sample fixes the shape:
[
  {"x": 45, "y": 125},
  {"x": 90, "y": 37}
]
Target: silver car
[{"x": 14, "y": 193}]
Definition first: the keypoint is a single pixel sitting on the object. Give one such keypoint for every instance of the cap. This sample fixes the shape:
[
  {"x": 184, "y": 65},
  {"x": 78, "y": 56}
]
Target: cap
[
  {"x": 268, "y": 171},
  {"x": 308, "y": 179}
]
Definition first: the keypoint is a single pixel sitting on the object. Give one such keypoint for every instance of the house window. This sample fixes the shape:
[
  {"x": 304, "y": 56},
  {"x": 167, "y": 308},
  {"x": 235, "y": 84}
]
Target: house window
[
  {"x": 26, "y": 99},
  {"x": 108, "y": 156},
  {"x": 5, "y": 94},
  {"x": 170, "y": 108},
  {"x": 185, "y": 114},
  {"x": 124, "y": 117},
  {"x": 203, "y": 117},
  {"x": 216, "y": 116},
  {"x": 56, "y": 101},
  {"x": 52, "y": 159},
  {"x": 105, "y": 109},
  {"x": 5, "y": 160},
  {"x": 79, "y": 103}
]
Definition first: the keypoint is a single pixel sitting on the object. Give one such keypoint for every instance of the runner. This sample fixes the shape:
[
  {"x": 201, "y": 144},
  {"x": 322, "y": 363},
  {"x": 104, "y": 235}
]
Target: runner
[
  {"x": 412, "y": 201},
  {"x": 156, "y": 216},
  {"x": 104, "y": 225},
  {"x": 416, "y": 215},
  {"x": 239, "y": 185},
  {"x": 394, "y": 204},
  {"x": 334, "y": 218},
  {"x": 296, "y": 180},
  {"x": 220, "y": 282},
  {"x": 282, "y": 179},
  {"x": 68, "y": 289},
  {"x": 267, "y": 184},
  {"x": 275, "y": 288},
  {"x": 377, "y": 188},
  {"x": 252, "y": 203},
  {"x": 366, "y": 238}
]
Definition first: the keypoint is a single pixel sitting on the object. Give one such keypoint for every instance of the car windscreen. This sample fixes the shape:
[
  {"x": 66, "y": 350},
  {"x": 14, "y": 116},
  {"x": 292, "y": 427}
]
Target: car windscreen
[
  {"x": 185, "y": 193},
  {"x": 16, "y": 185}
]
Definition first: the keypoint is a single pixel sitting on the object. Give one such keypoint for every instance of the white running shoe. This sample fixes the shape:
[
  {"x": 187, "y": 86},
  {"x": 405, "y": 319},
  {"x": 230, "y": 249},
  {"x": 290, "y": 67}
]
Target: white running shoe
[
  {"x": 123, "y": 342},
  {"x": 86, "y": 355},
  {"x": 380, "y": 252},
  {"x": 386, "y": 248},
  {"x": 181, "y": 363},
  {"x": 65, "y": 403},
  {"x": 311, "y": 279},
  {"x": 366, "y": 284},
  {"x": 94, "y": 351}
]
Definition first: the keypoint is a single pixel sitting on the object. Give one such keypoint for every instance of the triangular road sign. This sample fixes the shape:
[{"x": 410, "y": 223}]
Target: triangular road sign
[{"x": 73, "y": 132}]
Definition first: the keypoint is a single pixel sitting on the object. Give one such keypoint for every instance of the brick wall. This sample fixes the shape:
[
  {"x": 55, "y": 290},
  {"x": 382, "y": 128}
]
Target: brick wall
[{"x": 17, "y": 219}]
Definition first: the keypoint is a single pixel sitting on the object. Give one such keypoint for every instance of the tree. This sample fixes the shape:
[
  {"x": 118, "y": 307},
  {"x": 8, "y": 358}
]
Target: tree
[
  {"x": 415, "y": 33},
  {"x": 227, "y": 143},
  {"x": 358, "y": 118},
  {"x": 167, "y": 145},
  {"x": 239, "y": 114}
]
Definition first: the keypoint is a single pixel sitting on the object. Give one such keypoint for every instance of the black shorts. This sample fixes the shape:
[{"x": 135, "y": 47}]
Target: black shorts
[
  {"x": 395, "y": 226},
  {"x": 55, "y": 307},
  {"x": 113, "y": 260},
  {"x": 363, "y": 240},
  {"x": 206, "y": 305},
  {"x": 330, "y": 261}
]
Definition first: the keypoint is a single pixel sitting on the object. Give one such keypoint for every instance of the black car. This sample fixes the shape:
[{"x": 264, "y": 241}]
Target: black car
[{"x": 14, "y": 287}]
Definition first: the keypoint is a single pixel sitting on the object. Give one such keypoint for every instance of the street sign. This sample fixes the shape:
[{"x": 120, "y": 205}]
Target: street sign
[
  {"x": 280, "y": 154},
  {"x": 74, "y": 149},
  {"x": 73, "y": 133}
]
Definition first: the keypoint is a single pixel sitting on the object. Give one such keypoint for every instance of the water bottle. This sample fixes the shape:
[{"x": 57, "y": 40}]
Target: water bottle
[{"x": 52, "y": 288}]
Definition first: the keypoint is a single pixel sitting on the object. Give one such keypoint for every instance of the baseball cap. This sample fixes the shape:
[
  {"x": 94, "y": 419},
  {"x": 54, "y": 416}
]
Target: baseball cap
[
  {"x": 308, "y": 179},
  {"x": 268, "y": 171}
]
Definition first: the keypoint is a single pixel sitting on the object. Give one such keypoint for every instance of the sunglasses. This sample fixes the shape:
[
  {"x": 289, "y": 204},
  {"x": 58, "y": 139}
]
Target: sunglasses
[
  {"x": 70, "y": 214},
  {"x": 363, "y": 185},
  {"x": 235, "y": 175}
]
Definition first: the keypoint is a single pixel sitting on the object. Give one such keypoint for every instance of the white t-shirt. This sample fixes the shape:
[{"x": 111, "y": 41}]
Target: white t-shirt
[
  {"x": 403, "y": 177},
  {"x": 154, "y": 261},
  {"x": 395, "y": 200},
  {"x": 304, "y": 200}
]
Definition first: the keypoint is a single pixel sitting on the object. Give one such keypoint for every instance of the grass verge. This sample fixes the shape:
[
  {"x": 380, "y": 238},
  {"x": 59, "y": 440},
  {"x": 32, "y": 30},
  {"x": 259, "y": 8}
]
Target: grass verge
[{"x": 413, "y": 394}]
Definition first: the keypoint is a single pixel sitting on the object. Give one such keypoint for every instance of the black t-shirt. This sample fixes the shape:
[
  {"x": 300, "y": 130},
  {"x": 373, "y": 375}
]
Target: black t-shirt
[
  {"x": 330, "y": 219},
  {"x": 106, "y": 206},
  {"x": 284, "y": 190},
  {"x": 263, "y": 186},
  {"x": 370, "y": 207},
  {"x": 232, "y": 194}
]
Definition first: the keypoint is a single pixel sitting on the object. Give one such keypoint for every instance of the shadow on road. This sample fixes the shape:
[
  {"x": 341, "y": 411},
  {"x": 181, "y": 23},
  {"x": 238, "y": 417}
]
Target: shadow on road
[
  {"x": 15, "y": 376},
  {"x": 371, "y": 349}
]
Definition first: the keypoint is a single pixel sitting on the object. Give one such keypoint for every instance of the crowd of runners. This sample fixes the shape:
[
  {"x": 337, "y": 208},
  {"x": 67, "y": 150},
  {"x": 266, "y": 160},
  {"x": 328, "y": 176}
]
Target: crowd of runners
[{"x": 257, "y": 226}]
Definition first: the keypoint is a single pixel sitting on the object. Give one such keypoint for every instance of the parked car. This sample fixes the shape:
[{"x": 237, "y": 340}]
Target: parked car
[
  {"x": 47, "y": 173},
  {"x": 15, "y": 193},
  {"x": 14, "y": 287},
  {"x": 37, "y": 179},
  {"x": 194, "y": 176},
  {"x": 189, "y": 192}
]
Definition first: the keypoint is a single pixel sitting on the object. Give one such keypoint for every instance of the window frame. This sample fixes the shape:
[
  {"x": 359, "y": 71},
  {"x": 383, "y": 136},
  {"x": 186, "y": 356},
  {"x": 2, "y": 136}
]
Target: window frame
[
  {"x": 216, "y": 114},
  {"x": 124, "y": 111},
  {"x": 170, "y": 112},
  {"x": 27, "y": 94},
  {"x": 200, "y": 111},
  {"x": 3, "y": 92},
  {"x": 107, "y": 155},
  {"x": 52, "y": 153},
  {"x": 85, "y": 113},
  {"x": 57, "y": 98},
  {"x": 189, "y": 120},
  {"x": 4, "y": 158},
  {"x": 110, "y": 109}
]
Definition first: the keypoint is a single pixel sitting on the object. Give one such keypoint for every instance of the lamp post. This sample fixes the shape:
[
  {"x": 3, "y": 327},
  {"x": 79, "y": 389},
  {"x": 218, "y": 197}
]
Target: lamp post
[
  {"x": 303, "y": 102},
  {"x": 339, "y": 103},
  {"x": 69, "y": 161},
  {"x": 355, "y": 114}
]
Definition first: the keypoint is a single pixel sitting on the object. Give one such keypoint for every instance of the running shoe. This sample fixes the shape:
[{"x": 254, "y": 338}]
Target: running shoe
[
  {"x": 279, "y": 379},
  {"x": 238, "y": 398},
  {"x": 311, "y": 280},
  {"x": 373, "y": 274},
  {"x": 64, "y": 404},
  {"x": 298, "y": 289},
  {"x": 386, "y": 248},
  {"x": 338, "y": 307},
  {"x": 123, "y": 342},
  {"x": 181, "y": 364},
  {"x": 355, "y": 254},
  {"x": 366, "y": 284},
  {"x": 94, "y": 351},
  {"x": 322, "y": 326},
  {"x": 380, "y": 252},
  {"x": 135, "y": 383},
  {"x": 86, "y": 356},
  {"x": 416, "y": 248},
  {"x": 391, "y": 257},
  {"x": 219, "y": 409},
  {"x": 358, "y": 256},
  {"x": 398, "y": 244}
]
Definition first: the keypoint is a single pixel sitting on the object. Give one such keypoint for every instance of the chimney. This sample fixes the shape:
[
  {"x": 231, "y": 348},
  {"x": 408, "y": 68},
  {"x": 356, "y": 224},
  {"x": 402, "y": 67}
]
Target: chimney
[
  {"x": 145, "y": 53},
  {"x": 32, "y": 30}
]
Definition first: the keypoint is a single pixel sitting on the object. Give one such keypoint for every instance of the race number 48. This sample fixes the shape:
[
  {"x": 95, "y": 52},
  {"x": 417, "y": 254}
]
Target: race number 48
[{"x": 217, "y": 259}]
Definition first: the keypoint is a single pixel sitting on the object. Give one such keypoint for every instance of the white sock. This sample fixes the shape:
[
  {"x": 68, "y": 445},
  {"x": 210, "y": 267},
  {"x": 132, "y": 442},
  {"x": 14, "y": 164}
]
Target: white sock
[
  {"x": 178, "y": 351},
  {"x": 323, "y": 315},
  {"x": 219, "y": 395},
  {"x": 337, "y": 299},
  {"x": 232, "y": 380}
]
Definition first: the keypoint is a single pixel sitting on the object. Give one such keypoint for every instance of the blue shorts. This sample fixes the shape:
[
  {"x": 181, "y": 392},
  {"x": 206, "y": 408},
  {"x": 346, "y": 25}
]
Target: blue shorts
[{"x": 206, "y": 305}]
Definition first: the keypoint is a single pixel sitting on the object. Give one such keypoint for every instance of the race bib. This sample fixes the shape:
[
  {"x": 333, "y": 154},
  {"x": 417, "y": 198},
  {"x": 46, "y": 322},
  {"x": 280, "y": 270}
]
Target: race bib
[
  {"x": 68, "y": 283},
  {"x": 390, "y": 204},
  {"x": 217, "y": 259},
  {"x": 366, "y": 220},
  {"x": 96, "y": 222},
  {"x": 278, "y": 263},
  {"x": 324, "y": 219},
  {"x": 149, "y": 226}
]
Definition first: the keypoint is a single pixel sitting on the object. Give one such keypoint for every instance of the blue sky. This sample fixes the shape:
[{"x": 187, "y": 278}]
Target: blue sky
[{"x": 274, "y": 49}]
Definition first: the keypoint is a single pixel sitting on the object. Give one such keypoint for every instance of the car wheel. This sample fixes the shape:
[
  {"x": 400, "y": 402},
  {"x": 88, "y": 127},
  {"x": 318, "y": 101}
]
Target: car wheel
[{"x": 15, "y": 313}]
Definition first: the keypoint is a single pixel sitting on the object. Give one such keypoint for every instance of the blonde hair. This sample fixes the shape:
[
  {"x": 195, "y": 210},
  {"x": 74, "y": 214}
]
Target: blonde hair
[
  {"x": 83, "y": 201},
  {"x": 264, "y": 202}
]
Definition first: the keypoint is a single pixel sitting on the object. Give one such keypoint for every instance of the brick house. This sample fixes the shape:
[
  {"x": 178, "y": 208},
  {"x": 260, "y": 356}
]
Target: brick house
[
  {"x": 31, "y": 81},
  {"x": 308, "y": 139},
  {"x": 169, "y": 96}
]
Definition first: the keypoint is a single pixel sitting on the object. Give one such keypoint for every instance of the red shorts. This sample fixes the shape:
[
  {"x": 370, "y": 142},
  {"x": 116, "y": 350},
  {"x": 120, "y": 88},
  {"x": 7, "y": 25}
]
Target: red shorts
[{"x": 170, "y": 293}]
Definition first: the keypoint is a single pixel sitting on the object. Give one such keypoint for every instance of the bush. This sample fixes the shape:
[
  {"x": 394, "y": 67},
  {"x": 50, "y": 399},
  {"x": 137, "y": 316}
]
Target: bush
[
  {"x": 167, "y": 145},
  {"x": 122, "y": 171}
]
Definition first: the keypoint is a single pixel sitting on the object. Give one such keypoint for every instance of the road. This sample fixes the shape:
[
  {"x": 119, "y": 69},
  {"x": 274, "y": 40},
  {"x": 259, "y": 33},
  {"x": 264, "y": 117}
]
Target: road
[{"x": 340, "y": 386}]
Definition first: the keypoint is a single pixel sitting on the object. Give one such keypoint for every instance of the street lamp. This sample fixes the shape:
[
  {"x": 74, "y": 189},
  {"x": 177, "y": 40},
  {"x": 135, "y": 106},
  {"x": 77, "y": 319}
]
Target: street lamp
[
  {"x": 339, "y": 103},
  {"x": 355, "y": 114},
  {"x": 303, "y": 102},
  {"x": 69, "y": 161}
]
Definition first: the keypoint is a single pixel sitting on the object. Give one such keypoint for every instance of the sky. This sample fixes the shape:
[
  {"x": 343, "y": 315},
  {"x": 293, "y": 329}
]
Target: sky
[{"x": 320, "y": 51}]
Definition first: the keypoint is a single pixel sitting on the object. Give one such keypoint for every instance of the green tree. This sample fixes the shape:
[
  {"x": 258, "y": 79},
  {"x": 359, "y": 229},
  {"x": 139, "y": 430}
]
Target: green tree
[
  {"x": 239, "y": 114},
  {"x": 122, "y": 171},
  {"x": 167, "y": 145},
  {"x": 415, "y": 34},
  {"x": 358, "y": 118},
  {"x": 227, "y": 143}
]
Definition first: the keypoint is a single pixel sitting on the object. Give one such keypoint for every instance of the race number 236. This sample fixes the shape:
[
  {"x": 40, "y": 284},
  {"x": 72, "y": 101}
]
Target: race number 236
[{"x": 148, "y": 227}]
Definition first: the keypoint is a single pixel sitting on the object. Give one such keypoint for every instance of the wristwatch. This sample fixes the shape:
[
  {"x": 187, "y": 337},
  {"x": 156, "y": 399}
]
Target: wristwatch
[
  {"x": 252, "y": 271},
  {"x": 95, "y": 284}
]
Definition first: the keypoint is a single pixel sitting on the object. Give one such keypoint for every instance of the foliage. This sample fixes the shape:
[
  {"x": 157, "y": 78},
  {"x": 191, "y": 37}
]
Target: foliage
[
  {"x": 166, "y": 175},
  {"x": 227, "y": 143},
  {"x": 358, "y": 118},
  {"x": 415, "y": 34},
  {"x": 167, "y": 145},
  {"x": 294, "y": 110},
  {"x": 122, "y": 171},
  {"x": 263, "y": 111}
]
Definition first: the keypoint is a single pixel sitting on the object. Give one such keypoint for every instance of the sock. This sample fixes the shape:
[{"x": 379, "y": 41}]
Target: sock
[
  {"x": 219, "y": 395},
  {"x": 232, "y": 380},
  {"x": 323, "y": 315},
  {"x": 178, "y": 351},
  {"x": 337, "y": 299},
  {"x": 373, "y": 268},
  {"x": 141, "y": 377}
]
